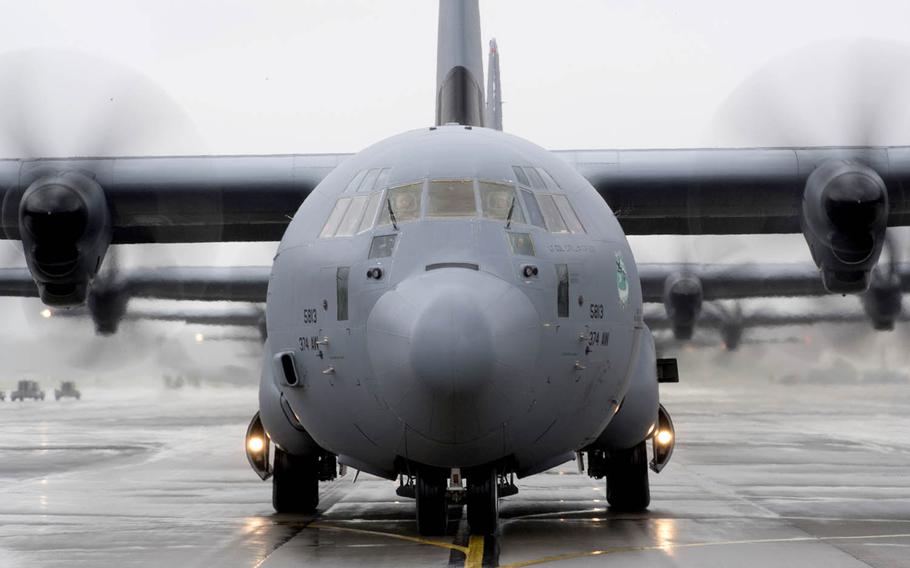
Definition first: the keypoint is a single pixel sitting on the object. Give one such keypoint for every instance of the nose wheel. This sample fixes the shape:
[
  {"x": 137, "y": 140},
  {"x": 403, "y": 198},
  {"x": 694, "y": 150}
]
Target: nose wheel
[
  {"x": 483, "y": 503},
  {"x": 432, "y": 508}
]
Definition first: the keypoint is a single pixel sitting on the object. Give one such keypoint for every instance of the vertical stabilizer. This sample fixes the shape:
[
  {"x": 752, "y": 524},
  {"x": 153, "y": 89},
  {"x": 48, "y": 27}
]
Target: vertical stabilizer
[
  {"x": 493, "y": 118},
  {"x": 459, "y": 64}
]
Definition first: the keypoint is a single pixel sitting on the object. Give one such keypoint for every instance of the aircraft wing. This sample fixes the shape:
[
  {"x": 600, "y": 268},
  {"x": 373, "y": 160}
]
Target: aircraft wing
[
  {"x": 244, "y": 316},
  {"x": 180, "y": 199},
  {"x": 17, "y": 282},
  {"x": 736, "y": 281},
  {"x": 237, "y": 283},
  {"x": 656, "y": 318},
  {"x": 728, "y": 191},
  {"x": 203, "y": 283}
]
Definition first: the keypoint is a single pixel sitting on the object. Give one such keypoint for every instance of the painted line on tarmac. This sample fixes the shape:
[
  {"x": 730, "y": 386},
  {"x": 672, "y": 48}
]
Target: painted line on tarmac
[
  {"x": 419, "y": 540},
  {"x": 670, "y": 546},
  {"x": 473, "y": 552}
]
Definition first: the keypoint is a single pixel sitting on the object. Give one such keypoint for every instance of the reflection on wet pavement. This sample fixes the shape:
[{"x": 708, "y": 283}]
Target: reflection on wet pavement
[{"x": 764, "y": 475}]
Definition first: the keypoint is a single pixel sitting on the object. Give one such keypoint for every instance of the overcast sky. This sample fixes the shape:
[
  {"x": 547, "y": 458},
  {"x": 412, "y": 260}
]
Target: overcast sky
[{"x": 168, "y": 77}]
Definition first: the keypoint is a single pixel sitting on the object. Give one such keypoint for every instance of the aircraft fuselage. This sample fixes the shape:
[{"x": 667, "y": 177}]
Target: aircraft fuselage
[{"x": 451, "y": 297}]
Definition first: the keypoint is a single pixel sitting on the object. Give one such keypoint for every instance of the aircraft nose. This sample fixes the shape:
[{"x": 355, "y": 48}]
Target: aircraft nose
[{"x": 449, "y": 348}]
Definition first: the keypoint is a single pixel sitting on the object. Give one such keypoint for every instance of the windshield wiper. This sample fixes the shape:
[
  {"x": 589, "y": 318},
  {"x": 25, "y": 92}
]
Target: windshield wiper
[
  {"x": 509, "y": 216},
  {"x": 388, "y": 201}
]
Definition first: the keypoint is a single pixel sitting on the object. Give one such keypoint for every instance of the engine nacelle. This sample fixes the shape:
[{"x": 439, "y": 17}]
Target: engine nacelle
[
  {"x": 65, "y": 227},
  {"x": 883, "y": 300},
  {"x": 107, "y": 302},
  {"x": 844, "y": 217},
  {"x": 683, "y": 296}
]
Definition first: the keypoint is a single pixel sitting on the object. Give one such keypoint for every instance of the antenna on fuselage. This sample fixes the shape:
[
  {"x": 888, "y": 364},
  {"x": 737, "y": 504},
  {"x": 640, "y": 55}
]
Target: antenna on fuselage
[{"x": 494, "y": 89}]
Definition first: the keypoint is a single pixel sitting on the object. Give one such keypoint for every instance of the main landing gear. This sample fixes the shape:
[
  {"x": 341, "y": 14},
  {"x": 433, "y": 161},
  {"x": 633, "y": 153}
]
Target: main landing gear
[
  {"x": 295, "y": 478},
  {"x": 628, "y": 487}
]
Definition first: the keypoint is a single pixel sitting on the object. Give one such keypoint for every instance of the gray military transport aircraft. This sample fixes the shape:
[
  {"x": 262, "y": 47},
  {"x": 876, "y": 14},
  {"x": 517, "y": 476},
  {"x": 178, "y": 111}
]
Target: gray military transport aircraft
[{"x": 453, "y": 305}]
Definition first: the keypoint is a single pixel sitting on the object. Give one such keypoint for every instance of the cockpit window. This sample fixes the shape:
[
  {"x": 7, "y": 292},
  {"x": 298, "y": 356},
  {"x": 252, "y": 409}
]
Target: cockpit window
[
  {"x": 496, "y": 199},
  {"x": 369, "y": 180},
  {"x": 520, "y": 175},
  {"x": 352, "y": 217},
  {"x": 328, "y": 230},
  {"x": 383, "y": 178},
  {"x": 451, "y": 198},
  {"x": 355, "y": 183},
  {"x": 568, "y": 214},
  {"x": 370, "y": 213},
  {"x": 404, "y": 201},
  {"x": 548, "y": 180},
  {"x": 536, "y": 180},
  {"x": 533, "y": 209},
  {"x": 551, "y": 214}
]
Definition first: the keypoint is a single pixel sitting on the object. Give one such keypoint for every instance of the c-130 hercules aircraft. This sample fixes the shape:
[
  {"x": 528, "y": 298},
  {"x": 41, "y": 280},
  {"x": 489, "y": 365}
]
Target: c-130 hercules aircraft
[{"x": 455, "y": 305}]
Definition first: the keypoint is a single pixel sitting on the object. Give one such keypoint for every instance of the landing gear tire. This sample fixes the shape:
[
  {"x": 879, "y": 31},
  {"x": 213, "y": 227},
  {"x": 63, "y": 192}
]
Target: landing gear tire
[
  {"x": 295, "y": 483},
  {"x": 483, "y": 503},
  {"x": 432, "y": 509},
  {"x": 628, "y": 489}
]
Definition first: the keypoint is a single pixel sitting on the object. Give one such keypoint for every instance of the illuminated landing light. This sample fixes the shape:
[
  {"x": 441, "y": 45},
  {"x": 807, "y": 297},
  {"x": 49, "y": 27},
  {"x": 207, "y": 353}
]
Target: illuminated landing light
[
  {"x": 664, "y": 437},
  {"x": 200, "y": 338},
  {"x": 46, "y": 313},
  {"x": 255, "y": 444}
]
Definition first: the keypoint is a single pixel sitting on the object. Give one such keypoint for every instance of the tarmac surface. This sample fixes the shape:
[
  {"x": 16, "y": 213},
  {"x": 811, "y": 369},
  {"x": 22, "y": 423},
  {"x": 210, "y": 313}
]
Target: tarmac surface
[{"x": 764, "y": 474}]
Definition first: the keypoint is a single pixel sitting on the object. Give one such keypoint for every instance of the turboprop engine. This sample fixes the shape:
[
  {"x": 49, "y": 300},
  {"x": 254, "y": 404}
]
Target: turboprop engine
[
  {"x": 65, "y": 228},
  {"x": 844, "y": 217}
]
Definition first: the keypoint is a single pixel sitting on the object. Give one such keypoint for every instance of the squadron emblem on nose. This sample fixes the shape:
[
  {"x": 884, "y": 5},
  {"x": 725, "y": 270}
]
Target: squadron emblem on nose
[{"x": 622, "y": 280}]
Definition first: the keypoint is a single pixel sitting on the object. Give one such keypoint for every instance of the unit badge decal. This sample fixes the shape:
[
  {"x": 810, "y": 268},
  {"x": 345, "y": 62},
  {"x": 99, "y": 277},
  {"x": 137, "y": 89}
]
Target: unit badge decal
[{"x": 622, "y": 280}]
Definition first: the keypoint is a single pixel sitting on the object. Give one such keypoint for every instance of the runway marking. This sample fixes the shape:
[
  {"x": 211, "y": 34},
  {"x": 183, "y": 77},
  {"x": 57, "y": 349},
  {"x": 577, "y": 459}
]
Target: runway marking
[
  {"x": 428, "y": 541},
  {"x": 474, "y": 556},
  {"x": 473, "y": 552},
  {"x": 671, "y": 546}
]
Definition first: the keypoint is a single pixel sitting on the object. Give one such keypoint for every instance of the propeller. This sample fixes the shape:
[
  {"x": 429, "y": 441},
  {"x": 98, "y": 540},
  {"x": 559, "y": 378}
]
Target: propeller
[{"x": 839, "y": 92}]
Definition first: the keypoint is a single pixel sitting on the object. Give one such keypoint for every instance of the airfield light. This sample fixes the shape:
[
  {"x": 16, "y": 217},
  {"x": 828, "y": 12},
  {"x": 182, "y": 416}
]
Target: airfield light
[
  {"x": 46, "y": 313},
  {"x": 256, "y": 444},
  {"x": 200, "y": 338},
  {"x": 664, "y": 437}
]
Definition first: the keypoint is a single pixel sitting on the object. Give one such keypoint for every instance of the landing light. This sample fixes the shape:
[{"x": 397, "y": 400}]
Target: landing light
[
  {"x": 46, "y": 313},
  {"x": 200, "y": 338},
  {"x": 255, "y": 444},
  {"x": 664, "y": 437}
]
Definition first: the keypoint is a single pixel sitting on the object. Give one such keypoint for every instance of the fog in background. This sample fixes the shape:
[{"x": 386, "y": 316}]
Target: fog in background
[{"x": 140, "y": 77}]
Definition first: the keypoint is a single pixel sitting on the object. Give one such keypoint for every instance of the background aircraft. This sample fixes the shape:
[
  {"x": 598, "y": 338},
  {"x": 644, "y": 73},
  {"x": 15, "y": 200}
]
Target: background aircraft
[{"x": 840, "y": 199}]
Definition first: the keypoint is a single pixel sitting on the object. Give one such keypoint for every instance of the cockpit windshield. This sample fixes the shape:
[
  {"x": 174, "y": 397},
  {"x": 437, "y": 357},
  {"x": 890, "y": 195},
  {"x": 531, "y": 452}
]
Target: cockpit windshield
[
  {"x": 451, "y": 198},
  {"x": 543, "y": 204},
  {"x": 498, "y": 199}
]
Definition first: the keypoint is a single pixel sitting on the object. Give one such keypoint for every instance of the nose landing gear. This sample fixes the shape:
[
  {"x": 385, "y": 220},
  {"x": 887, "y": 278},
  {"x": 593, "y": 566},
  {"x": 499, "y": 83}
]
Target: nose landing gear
[
  {"x": 432, "y": 507},
  {"x": 483, "y": 502}
]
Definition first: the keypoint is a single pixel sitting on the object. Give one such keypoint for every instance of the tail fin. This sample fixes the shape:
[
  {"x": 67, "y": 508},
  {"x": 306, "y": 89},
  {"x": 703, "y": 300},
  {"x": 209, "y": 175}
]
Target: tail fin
[
  {"x": 493, "y": 118},
  {"x": 459, "y": 65}
]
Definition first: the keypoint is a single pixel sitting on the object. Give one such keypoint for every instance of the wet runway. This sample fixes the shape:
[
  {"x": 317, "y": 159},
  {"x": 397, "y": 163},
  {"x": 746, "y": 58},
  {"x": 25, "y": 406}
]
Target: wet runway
[{"x": 764, "y": 475}]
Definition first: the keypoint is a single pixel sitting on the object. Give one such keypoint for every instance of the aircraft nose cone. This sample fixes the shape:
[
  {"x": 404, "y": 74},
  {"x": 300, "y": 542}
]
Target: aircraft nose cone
[
  {"x": 450, "y": 349},
  {"x": 451, "y": 344}
]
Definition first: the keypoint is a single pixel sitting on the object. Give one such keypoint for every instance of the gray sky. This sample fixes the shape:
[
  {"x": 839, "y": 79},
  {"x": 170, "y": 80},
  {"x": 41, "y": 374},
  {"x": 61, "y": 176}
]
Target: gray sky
[{"x": 167, "y": 77}]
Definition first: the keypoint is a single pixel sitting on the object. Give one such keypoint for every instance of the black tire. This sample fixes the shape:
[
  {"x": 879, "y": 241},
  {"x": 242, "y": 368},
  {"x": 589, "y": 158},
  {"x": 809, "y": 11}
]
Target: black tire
[
  {"x": 432, "y": 508},
  {"x": 483, "y": 503},
  {"x": 295, "y": 485},
  {"x": 628, "y": 489}
]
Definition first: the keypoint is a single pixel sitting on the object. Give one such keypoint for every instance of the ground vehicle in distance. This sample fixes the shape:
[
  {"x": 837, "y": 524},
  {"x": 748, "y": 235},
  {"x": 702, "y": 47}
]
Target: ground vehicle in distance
[
  {"x": 67, "y": 389},
  {"x": 27, "y": 389}
]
